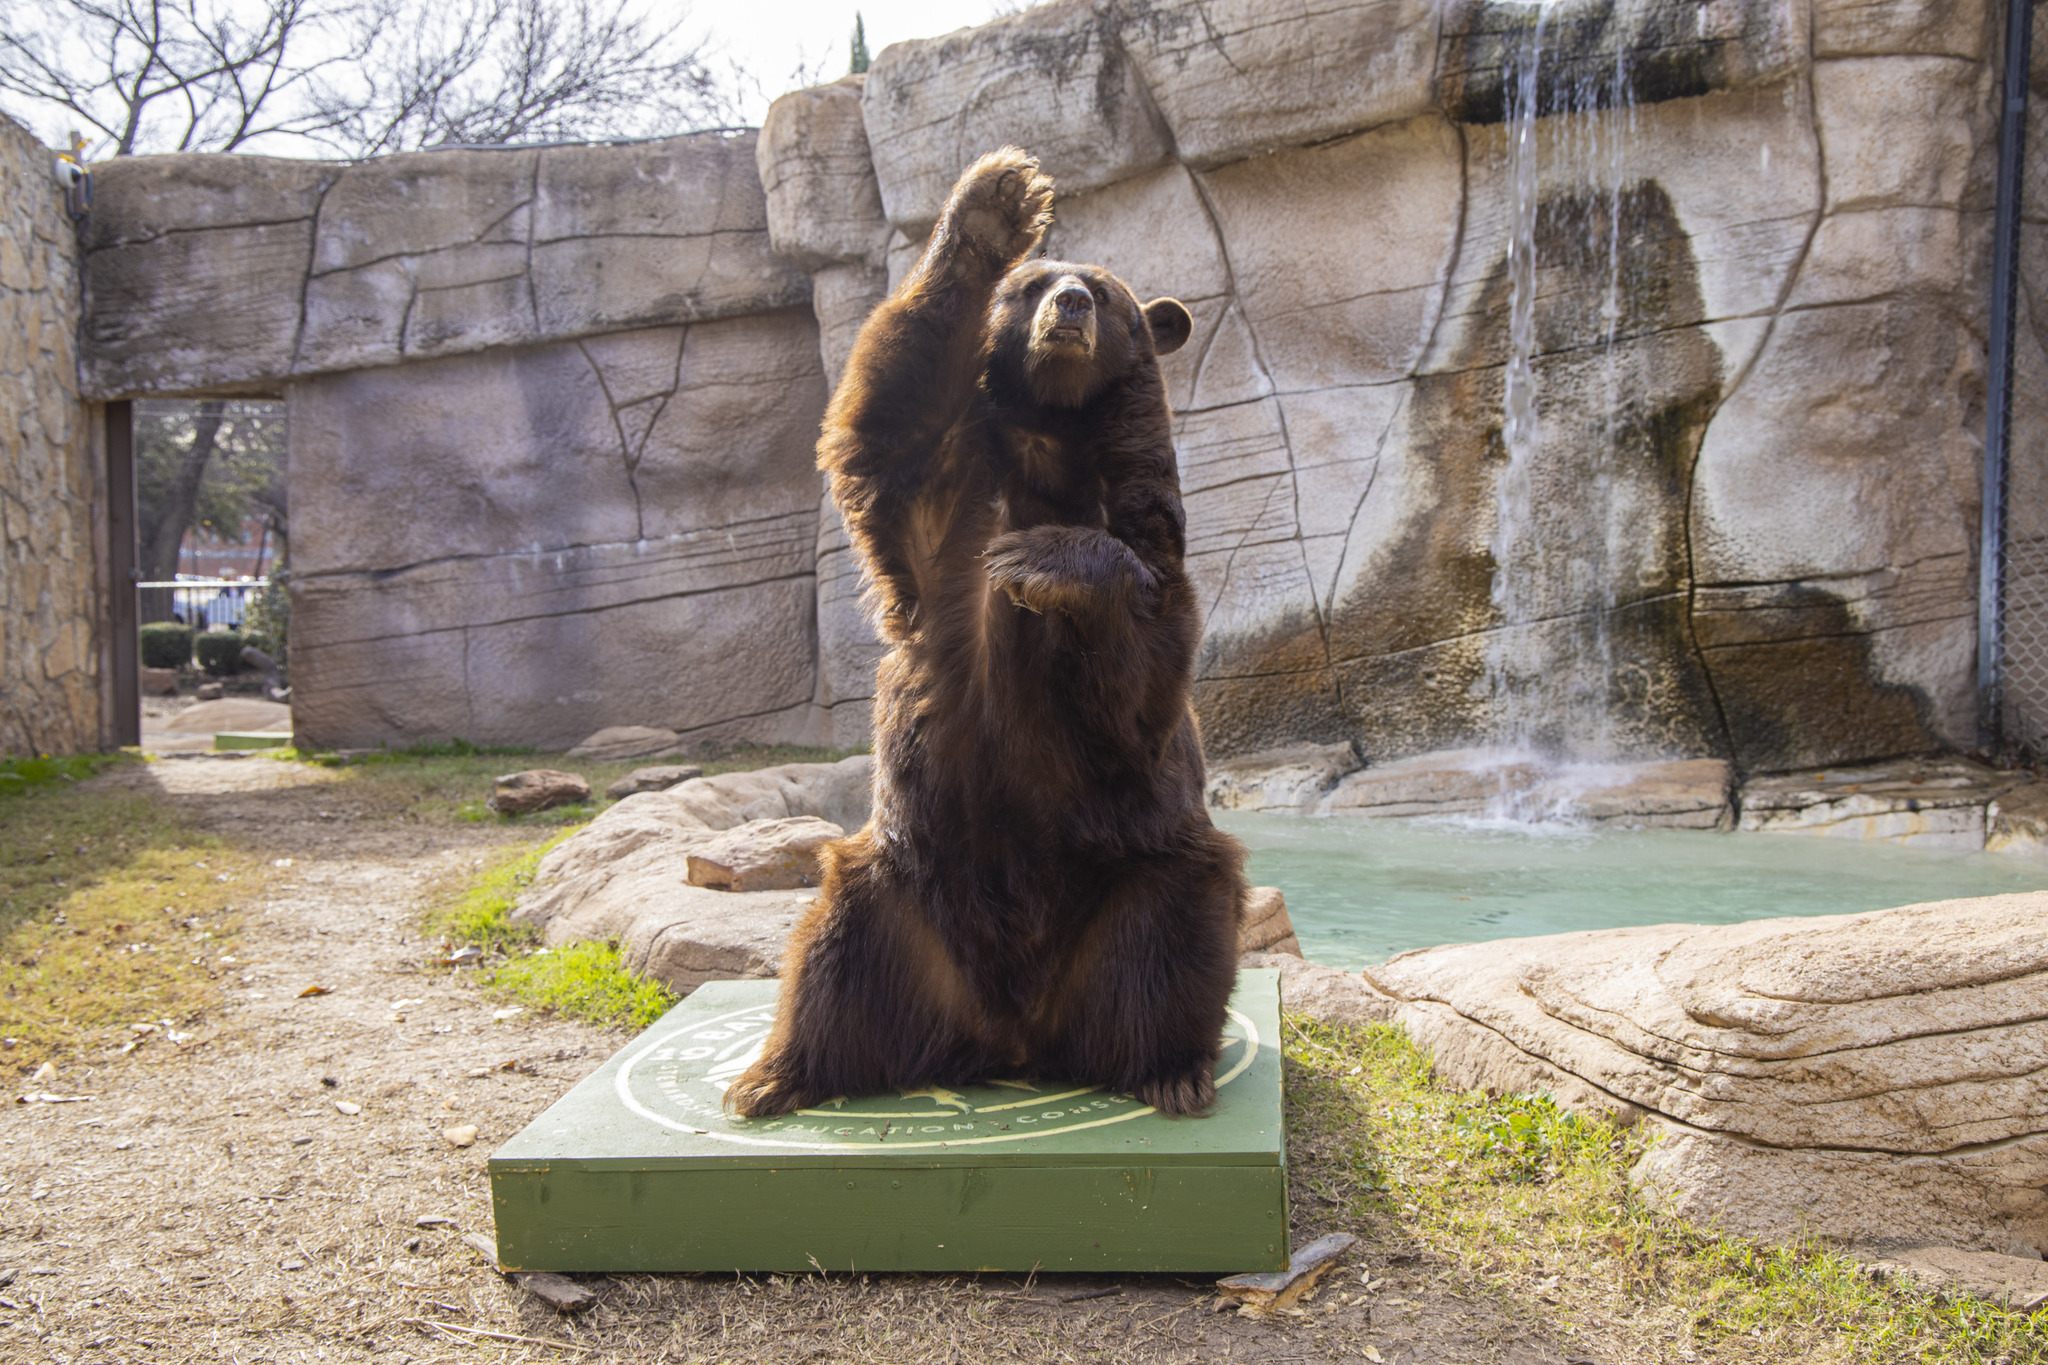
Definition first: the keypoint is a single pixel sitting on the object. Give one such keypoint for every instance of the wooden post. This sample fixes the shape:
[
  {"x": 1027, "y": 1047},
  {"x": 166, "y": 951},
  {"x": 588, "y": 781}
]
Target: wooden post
[{"x": 124, "y": 643}]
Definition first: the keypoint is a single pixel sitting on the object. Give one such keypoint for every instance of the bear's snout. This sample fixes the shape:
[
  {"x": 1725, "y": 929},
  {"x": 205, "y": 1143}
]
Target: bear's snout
[{"x": 1073, "y": 304}]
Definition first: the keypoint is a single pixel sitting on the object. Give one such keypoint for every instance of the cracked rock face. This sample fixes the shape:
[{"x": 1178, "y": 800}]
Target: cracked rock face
[
  {"x": 1872, "y": 1077},
  {"x": 588, "y": 379}
]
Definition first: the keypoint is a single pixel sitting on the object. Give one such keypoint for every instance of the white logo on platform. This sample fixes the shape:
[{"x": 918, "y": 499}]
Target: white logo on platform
[{"x": 679, "y": 1080}]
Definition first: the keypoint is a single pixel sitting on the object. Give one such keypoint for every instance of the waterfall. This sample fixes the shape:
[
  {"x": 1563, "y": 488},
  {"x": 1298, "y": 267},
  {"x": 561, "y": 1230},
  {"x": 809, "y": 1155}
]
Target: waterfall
[
  {"x": 1516, "y": 534},
  {"x": 1562, "y": 530}
]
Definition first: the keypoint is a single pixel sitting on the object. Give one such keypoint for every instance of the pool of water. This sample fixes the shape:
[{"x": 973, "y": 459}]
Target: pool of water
[{"x": 1360, "y": 891}]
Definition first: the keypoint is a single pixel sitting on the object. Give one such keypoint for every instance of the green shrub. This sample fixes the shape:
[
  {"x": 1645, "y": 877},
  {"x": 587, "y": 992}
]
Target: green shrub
[
  {"x": 220, "y": 652},
  {"x": 166, "y": 644},
  {"x": 270, "y": 617}
]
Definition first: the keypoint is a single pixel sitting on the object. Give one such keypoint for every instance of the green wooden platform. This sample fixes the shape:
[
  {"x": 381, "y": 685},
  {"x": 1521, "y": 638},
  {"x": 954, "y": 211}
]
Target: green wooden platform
[{"x": 638, "y": 1167}]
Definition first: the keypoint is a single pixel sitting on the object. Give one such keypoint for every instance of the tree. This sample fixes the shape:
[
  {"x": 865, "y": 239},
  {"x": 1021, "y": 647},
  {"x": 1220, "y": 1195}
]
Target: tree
[
  {"x": 860, "y": 46},
  {"x": 216, "y": 465},
  {"x": 355, "y": 77}
]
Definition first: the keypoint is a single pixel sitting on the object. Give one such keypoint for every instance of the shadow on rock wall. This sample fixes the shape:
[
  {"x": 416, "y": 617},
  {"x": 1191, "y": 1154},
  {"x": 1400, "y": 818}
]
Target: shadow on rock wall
[{"x": 1556, "y": 610}]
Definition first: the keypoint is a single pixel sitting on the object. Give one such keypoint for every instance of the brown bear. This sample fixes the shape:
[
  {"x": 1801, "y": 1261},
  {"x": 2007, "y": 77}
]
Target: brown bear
[{"x": 1039, "y": 892}]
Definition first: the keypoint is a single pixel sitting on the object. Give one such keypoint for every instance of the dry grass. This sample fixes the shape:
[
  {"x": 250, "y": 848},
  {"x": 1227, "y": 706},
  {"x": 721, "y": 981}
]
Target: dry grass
[
  {"x": 115, "y": 910},
  {"x": 212, "y": 1203}
]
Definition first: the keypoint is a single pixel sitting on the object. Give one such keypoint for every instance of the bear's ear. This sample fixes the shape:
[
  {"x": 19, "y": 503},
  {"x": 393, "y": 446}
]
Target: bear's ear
[{"x": 1170, "y": 323}]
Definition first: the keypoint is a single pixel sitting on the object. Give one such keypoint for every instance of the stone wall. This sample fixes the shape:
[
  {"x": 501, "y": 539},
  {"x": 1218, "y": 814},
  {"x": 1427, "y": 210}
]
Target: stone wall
[
  {"x": 550, "y": 422},
  {"x": 1747, "y": 524},
  {"x": 552, "y": 408},
  {"x": 49, "y": 598}
]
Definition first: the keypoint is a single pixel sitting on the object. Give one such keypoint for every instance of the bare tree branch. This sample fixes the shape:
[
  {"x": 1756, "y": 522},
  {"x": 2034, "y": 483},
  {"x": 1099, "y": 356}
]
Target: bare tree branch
[{"x": 355, "y": 77}]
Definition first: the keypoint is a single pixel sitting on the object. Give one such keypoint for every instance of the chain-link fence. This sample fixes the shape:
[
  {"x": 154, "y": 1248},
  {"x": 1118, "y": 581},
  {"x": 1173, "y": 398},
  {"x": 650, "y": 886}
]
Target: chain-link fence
[{"x": 2022, "y": 653}]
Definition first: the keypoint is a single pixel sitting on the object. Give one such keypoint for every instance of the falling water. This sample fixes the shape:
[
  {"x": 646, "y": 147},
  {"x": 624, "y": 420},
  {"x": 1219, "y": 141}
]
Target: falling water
[
  {"x": 1515, "y": 528},
  {"x": 1560, "y": 564}
]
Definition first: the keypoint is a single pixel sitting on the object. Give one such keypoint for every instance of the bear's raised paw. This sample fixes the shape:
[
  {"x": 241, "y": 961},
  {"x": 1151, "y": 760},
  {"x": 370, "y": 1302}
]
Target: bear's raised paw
[{"x": 1001, "y": 206}]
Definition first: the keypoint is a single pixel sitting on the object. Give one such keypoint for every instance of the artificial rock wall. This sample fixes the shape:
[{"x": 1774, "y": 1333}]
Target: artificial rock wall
[
  {"x": 50, "y": 630},
  {"x": 550, "y": 421},
  {"x": 552, "y": 408},
  {"x": 1745, "y": 524}
]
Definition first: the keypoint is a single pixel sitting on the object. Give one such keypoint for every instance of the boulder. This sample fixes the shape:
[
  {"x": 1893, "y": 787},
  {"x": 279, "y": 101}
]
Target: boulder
[
  {"x": 1872, "y": 1078},
  {"x": 824, "y": 205},
  {"x": 616, "y": 742},
  {"x": 1280, "y": 779},
  {"x": 1918, "y": 803},
  {"x": 231, "y": 714},
  {"x": 208, "y": 692},
  {"x": 535, "y": 789},
  {"x": 2018, "y": 821},
  {"x": 1325, "y": 994},
  {"x": 1053, "y": 79},
  {"x": 624, "y": 877},
  {"x": 159, "y": 682},
  {"x": 1267, "y": 927},
  {"x": 763, "y": 855},
  {"x": 655, "y": 779}
]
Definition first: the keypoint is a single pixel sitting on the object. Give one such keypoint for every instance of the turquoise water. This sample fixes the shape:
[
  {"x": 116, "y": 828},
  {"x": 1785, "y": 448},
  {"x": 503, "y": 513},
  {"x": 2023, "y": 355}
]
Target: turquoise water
[{"x": 1360, "y": 891}]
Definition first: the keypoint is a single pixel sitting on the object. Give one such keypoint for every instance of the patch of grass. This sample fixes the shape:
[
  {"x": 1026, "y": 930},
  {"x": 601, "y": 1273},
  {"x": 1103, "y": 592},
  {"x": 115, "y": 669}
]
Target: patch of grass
[
  {"x": 585, "y": 981},
  {"x": 20, "y": 776},
  {"x": 1517, "y": 1195},
  {"x": 479, "y": 911},
  {"x": 113, "y": 911}
]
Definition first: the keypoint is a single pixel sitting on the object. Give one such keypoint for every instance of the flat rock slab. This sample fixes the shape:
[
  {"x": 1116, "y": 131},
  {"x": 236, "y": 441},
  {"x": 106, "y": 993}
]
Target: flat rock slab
[
  {"x": 763, "y": 855},
  {"x": 230, "y": 714},
  {"x": 639, "y": 1168},
  {"x": 1918, "y": 803},
  {"x": 1867, "y": 1077},
  {"x": 1330, "y": 780},
  {"x": 616, "y": 742}
]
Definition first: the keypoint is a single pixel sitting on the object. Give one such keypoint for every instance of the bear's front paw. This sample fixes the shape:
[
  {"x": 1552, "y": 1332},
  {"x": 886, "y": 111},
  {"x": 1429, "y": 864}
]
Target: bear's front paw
[
  {"x": 759, "y": 1093},
  {"x": 1026, "y": 584},
  {"x": 1185, "y": 1095},
  {"x": 1001, "y": 206}
]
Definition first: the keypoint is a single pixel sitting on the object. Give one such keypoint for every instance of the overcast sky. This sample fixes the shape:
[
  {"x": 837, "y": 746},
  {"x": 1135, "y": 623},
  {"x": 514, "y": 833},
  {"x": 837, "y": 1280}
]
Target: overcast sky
[{"x": 773, "y": 38}]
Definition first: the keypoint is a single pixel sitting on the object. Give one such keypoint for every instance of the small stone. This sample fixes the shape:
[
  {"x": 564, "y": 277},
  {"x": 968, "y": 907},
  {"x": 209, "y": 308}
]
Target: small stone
[
  {"x": 558, "y": 1292},
  {"x": 522, "y": 793},
  {"x": 460, "y": 1135},
  {"x": 655, "y": 779},
  {"x": 348, "y": 1107},
  {"x": 46, "y": 1072},
  {"x": 209, "y": 692},
  {"x": 763, "y": 855},
  {"x": 433, "y": 1220},
  {"x": 292, "y": 1265},
  {"x": 512, "y": 1012}
]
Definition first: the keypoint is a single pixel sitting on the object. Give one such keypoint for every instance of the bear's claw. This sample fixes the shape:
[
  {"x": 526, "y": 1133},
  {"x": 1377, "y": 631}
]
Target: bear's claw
[{"x": 1186, "y": 1095}]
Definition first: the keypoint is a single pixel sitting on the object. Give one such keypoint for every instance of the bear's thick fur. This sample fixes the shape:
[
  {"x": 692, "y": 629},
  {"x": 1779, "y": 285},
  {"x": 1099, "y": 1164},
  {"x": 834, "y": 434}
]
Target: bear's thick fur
[{"x": 1040, "y": 891}]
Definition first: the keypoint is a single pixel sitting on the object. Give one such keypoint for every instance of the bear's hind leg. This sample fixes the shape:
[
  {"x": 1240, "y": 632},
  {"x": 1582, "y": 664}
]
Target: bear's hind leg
[
  {"x": 870, "y": 1000},
  {"x": 1143, "y": 1005}
]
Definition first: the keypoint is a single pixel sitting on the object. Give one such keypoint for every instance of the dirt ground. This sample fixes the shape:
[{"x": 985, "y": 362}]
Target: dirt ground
[{"x": 214, "y": 1202}]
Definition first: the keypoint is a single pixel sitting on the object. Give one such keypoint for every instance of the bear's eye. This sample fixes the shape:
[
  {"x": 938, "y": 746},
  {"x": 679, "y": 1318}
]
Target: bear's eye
[{"x": 1101, "y": 294}]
